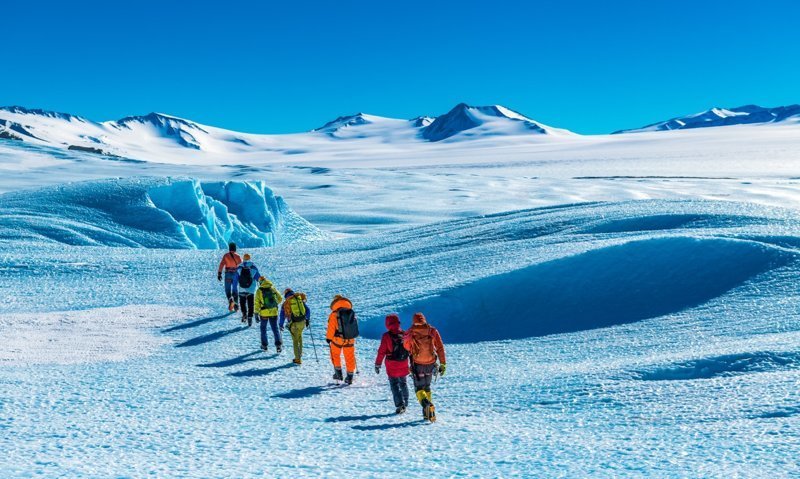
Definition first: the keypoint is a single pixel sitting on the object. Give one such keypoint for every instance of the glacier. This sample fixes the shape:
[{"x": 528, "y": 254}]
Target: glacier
[{"x": 698, "y": 379}]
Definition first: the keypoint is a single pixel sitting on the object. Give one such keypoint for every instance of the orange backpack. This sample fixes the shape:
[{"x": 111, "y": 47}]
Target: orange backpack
[{"x": 422, "y": 345}]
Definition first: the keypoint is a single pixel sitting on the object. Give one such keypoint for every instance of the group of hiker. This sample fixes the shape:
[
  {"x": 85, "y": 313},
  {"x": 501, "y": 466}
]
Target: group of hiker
[{"x": 419, "y": 351}]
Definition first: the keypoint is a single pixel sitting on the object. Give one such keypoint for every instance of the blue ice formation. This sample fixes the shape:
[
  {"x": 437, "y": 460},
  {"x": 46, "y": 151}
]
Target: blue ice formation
[{"x": 153, "y": 213}]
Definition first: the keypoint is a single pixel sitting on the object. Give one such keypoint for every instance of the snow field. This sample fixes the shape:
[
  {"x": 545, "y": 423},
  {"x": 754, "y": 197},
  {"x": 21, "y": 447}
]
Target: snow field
[{"x": 697, "y": 388}]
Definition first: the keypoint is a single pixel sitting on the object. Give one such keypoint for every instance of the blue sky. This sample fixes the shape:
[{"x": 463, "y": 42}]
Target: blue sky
[{"x": 275, "y": 67}]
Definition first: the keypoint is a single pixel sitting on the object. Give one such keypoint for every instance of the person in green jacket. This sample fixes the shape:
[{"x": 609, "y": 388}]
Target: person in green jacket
[
  {"x": 267, "y": 301},
  {"x": 295, "y": 310}
]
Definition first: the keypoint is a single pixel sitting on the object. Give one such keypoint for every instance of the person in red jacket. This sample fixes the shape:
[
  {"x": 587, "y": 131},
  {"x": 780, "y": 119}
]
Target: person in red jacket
[
  {"x": 228, "y": 265},
  {"x": 396, "y": 356},
  {"x": 425, "y": 345}
]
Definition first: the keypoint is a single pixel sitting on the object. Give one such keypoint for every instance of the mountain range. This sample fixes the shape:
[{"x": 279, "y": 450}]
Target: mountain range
[{"x": 160, "y": 135}]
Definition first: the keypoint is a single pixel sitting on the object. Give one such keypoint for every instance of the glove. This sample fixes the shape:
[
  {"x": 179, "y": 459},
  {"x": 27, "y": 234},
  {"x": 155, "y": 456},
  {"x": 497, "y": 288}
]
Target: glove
[
  {"x": 219, "y": 276},
  {"x": 377, "y": 369},
  {"x": 327, "y": 340},
  {"x": 308, "y": 324},
  {"x": 442, "y": 369}
]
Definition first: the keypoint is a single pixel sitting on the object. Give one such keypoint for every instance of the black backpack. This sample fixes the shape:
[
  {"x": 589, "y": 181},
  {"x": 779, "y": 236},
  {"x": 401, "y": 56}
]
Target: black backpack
[
  {"x": 347, "y": 323},
  {"x": 398, "y": 352},
  {"x": 245, "y": 277}
]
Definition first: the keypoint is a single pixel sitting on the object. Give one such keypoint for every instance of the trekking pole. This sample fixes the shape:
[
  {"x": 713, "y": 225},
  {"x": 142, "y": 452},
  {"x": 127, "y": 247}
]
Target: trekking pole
[{"x": 312, "y": 343}]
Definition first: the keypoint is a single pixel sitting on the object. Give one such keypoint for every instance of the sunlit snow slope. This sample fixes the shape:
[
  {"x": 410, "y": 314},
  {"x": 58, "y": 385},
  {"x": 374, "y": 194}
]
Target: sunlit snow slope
[{"x": 643, "y": 338}]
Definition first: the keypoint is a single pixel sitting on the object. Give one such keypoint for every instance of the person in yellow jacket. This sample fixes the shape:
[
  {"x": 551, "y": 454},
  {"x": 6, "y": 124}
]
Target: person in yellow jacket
[
  {"x": 338, "y": 343},
  {"x": 267, "y": 301}
]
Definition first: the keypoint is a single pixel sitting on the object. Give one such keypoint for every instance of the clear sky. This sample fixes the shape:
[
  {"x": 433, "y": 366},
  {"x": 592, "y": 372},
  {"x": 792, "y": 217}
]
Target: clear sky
[{"x": 276, "y": 67}]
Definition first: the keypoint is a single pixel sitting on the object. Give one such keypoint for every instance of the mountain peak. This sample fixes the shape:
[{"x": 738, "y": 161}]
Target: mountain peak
[
  {"x": 21, "y": 110},
  {"x": 344, "y": 122},
  {"x": 464, "y": 117},
  {"x": 713, "y": 117}
]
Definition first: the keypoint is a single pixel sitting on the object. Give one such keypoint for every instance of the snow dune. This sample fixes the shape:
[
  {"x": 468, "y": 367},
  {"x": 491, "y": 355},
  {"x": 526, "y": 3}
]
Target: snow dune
[{"x": 600, "y": 288}]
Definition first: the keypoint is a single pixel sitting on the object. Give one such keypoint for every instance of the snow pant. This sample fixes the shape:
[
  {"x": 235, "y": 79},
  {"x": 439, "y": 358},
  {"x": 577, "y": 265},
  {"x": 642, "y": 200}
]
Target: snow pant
[
  {"x": 423, "y": 375},
  {"x": 273, "y": 322},
  {"x": 399, "y": 391},
  {"x": 349, "y": 356},
  {"x": 246, "y": 304},
  {"x": 231, "y": 288},
  {"x": 296, "y": 329}
]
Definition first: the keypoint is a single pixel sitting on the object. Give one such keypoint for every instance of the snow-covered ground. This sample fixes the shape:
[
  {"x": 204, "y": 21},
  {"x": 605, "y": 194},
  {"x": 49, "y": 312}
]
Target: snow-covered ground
[{"x": 605, "y": 314}]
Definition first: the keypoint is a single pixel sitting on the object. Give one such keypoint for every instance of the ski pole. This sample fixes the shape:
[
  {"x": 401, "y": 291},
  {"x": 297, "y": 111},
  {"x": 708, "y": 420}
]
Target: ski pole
[{"x": 312, "y": 343}]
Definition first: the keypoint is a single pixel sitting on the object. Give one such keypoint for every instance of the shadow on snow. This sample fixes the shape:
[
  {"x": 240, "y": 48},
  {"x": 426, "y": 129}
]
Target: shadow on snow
[
  {"x": 247, "y": 373},
  {"x": 244, "y": 358},
  {"x": 359, "y": 418},
  {"x": 207, "y": 338},
  {"x": 307, "y": 392},
  {"x": 380, "y": 427},
  {"x": 196, "y": 323}
]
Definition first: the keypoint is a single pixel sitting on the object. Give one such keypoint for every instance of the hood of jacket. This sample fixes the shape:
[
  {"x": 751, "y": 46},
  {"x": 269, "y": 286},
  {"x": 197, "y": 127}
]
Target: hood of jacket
[
  {"x": 393, "y": 324},
  {"x": 340, "y": 302}
]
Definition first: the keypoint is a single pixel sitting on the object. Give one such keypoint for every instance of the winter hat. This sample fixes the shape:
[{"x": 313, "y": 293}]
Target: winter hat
[
  {"x": 288, "y": 292},
  {"x": 232, "y": 247},
  {"x": 265, "y": 283},
  {"x": 246, "y": 256},
  {"x": 419, "y": 318}
]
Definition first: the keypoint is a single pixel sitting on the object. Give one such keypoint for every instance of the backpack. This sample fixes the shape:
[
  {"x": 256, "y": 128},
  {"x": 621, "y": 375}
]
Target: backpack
[
  {"x": 347, "y": 323},
  {"x": 422, "y": 349},
  {"x": 398, "y": 352},
  {"x": 297, "y": 310},
  {"x": 268, "y": 299},
  {"x": 245, "y": 277}
]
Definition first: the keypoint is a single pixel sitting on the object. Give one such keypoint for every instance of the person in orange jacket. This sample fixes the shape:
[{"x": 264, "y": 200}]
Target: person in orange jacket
[
  {"x": 424, "y": 344},
  {"x": 228, "y": 265},
  {"x": 337, "y": 342}
]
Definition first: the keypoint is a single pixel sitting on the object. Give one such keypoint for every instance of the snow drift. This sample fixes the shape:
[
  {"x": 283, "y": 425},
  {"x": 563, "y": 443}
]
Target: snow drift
[
  {"x": 153, "y": 213},
  {"x": 600, "y": 288}
]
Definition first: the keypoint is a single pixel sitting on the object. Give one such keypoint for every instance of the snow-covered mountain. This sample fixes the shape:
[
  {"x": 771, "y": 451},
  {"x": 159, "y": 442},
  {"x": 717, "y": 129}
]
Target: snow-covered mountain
[
  {"x": 160, "y": 137},
  {"x": 742, "y": 115},
  {"x": 470, "y": 121}
]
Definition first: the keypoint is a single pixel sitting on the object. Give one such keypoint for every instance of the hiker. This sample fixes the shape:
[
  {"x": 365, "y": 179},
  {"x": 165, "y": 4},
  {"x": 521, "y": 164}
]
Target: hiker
[
  {"x": 246, "y": 280},
  {"x": 266, "y": 305},
  {"x": 395, "y": 355},
  {"x": 230, "y": 261},
  {"x": 341, "y": 337},
  {"x": 296, "y": 312},
  {"x": 425, "y": 345}
]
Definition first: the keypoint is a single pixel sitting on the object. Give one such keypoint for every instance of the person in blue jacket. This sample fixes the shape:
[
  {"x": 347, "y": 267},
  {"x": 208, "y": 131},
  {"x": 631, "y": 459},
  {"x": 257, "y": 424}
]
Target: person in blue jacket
[{"x": 246, "y": 278}]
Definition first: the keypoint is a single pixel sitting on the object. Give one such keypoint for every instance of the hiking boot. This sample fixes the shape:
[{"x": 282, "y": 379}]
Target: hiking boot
[
  {"x": 264, "y": 346},
  {"x": 349, "y": 379},
  {"x": 400, "y": 410},
  {"x": 249, "y": 321},
  {"x": 279, "y": 347},
  {"x": 337, "y": 374},
  {"x": 244, "y": 319},
  {"x": 258, "y": 319},
  {"x": 235, "y": 307},
  {"x": 230, "y": 305},
  {"x": 428, "y": 410},
  {"x": 297, "y": 361}
]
